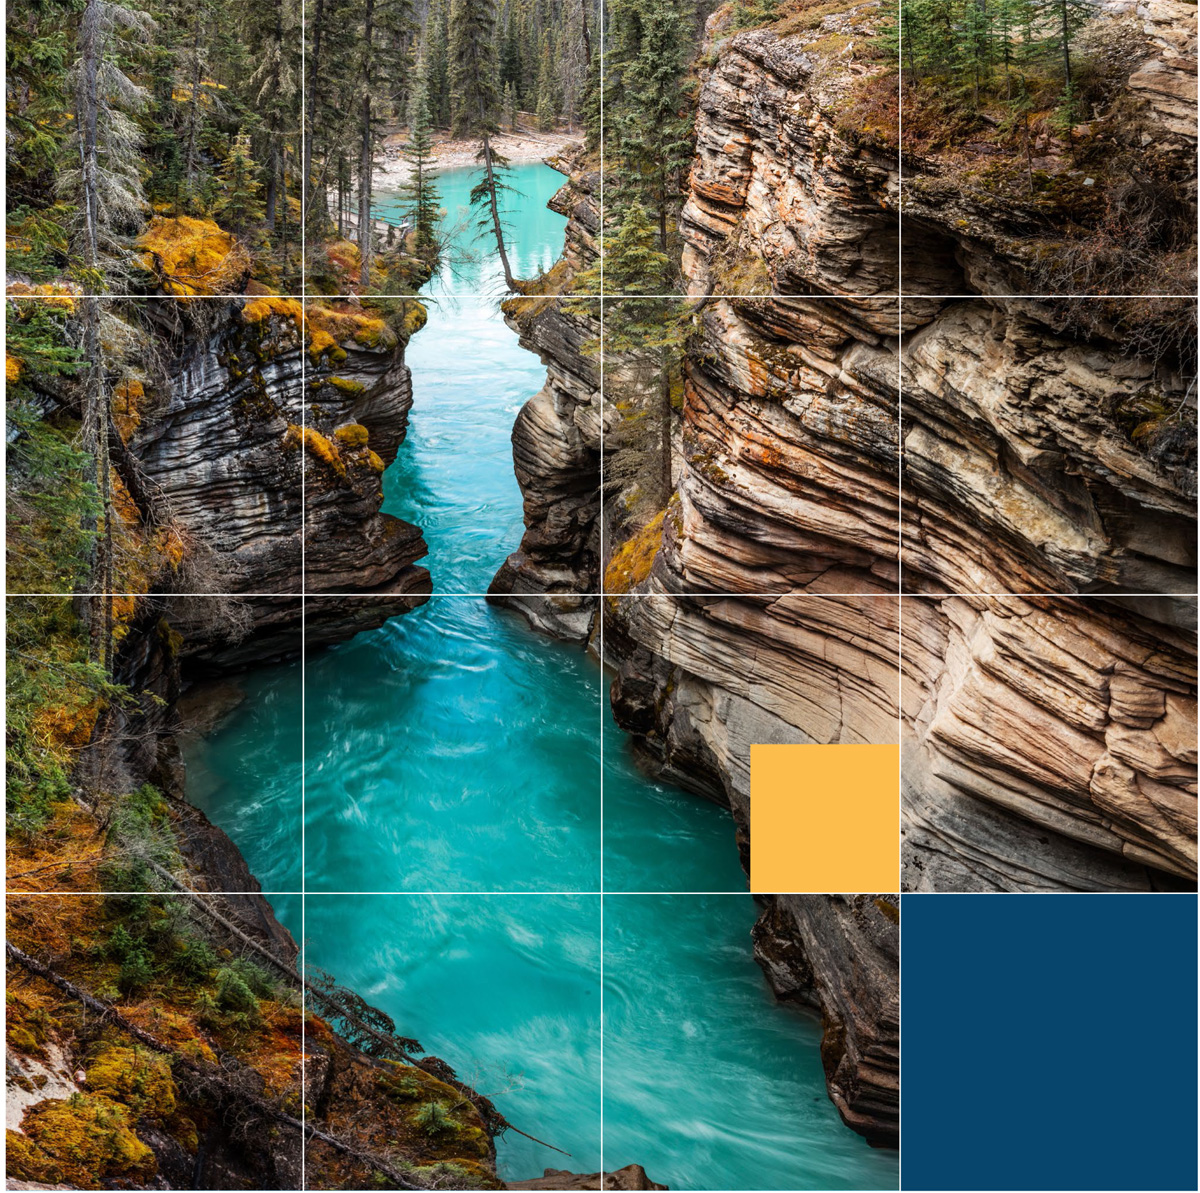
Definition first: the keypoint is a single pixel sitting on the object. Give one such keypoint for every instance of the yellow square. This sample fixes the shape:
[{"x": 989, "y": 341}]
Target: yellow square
[{"x": 825, "y": 819}]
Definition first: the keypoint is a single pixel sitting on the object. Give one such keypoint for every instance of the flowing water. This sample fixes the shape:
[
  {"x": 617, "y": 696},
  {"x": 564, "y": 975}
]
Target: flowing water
[{"x": 453, "y": 752}]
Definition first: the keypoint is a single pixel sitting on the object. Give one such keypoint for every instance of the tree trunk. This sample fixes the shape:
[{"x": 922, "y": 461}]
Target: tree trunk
[
  {"x": 509, "y": 281},
  {"x": 193, "y": 109},
  {"x": 365, "y": 164},
  {"x": 664, "y": 429},
  {"x": 272, "y": 180},
  {"x": 88, "y": 103},
  {"x": 312, "y": 74},
  {"x": 587, "y": 39}
]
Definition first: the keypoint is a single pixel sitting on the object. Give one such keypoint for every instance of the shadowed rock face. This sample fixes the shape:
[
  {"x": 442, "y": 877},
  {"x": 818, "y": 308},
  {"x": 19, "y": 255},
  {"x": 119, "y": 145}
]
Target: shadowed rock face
[
  {"x": 260, "y": 505},
  {"x": 840, "y": 954},
  {"x": 556, "y": 456}
]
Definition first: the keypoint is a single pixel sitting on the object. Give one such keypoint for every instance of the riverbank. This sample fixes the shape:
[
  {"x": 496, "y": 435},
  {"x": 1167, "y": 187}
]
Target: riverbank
[{"x": 521, "y": 148}]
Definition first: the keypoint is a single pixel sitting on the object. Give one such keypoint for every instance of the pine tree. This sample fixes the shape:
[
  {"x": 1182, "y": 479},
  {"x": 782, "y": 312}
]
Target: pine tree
[
  {"x": 240, "y": 204},
  {"x": 649, "y": 325},
  {"x": 475, "y": 103},
  {"x": 547, "y": 89},
  {"x": 419, "y": 191},
  {"x": 650, "y": 124},
  {"x": 437, "y": 52}
]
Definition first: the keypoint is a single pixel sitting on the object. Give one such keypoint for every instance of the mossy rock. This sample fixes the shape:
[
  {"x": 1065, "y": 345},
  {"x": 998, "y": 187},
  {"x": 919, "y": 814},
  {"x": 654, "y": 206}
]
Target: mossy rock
[
  {"x": 84, "y": 1141},
  {"x": 353, "y": 436},
  {"x": 137, "y": 1079}
]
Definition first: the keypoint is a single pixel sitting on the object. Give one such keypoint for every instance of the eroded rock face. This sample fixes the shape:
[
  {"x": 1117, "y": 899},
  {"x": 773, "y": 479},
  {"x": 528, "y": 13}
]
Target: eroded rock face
[
  {"x": 553, "y": 576},
  {"x": 632, "y": 1176},
  {"x": 245, "y": 459},
  {"x": 780, "y": 200},
  {"x": 1049, "y": 744},
  {"x": 1026, "y": 767},
  {"x": 840, "y": 954}
]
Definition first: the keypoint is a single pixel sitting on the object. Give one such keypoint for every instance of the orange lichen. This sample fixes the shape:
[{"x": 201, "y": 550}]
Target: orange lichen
[
  {"x": 317, "y": 446},
  {"x": 192, "y": 256},
  {"x": 632, "y": 561},
  {"x": 13, "y": 366},
  {"x": 172, "y": 1028},
  {"x": 127, "y": 412}
]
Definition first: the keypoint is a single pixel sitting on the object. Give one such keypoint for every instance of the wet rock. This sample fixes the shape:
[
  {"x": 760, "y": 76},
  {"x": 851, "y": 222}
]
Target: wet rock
[
  {"x": 632, "y": 1176},
  {"x": 840, "y": 954}
]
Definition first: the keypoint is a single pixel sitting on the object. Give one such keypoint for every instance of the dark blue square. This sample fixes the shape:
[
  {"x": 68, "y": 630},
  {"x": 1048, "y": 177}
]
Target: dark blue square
[{"x": 1049, "y": 1042}]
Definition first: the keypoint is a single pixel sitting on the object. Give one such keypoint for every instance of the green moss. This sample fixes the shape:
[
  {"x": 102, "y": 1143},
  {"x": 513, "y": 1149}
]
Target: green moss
[
  {"x": 85, "y": 1142},
  {"x": 138, "y": 1079}
]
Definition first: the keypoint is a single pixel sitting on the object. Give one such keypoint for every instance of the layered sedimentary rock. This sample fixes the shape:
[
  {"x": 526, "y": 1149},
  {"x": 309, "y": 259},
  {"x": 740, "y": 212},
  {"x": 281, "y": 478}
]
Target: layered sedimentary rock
[
  {"x": 266, "y": 453},
  {"x": 1049, "y": 743},
  {"x": 840, "y": 954},
  {"x": 786, "y": 195},
  {"x": 553, "y": 575}
]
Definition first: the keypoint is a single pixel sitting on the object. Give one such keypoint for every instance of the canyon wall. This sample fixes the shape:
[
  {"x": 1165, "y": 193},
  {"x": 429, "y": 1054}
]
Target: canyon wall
[
  {"x": 266, "y": 452},
  {"x": 1048, "y": 448},
  {"x": 840, "y": 955},
  {"x": 963, "y": 524}
]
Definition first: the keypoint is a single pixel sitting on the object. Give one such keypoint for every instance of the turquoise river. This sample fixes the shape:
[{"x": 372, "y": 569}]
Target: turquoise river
[{"x": 463, "y": 783}]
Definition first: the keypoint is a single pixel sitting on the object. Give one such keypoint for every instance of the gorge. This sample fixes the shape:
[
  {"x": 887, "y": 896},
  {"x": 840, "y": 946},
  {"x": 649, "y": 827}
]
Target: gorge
[
  {"x": 454, "y": 750},
  {"x": 396, "y": 692}
]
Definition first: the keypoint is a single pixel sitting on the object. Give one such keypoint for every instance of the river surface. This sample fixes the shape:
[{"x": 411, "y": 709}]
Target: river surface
[{"x": 471, "y": 768}]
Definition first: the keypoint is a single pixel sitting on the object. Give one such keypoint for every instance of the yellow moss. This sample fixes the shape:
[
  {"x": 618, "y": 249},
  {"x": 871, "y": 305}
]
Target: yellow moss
[
  {"x": 50, "y": 294},
  {"x": 632, "y": 561},
  {"x": 83, "y": 1141},
  {"x": 135, "y": 1077},
  {"x": 193, "y": 256},
  {"x": 376, "y": 461},
  {"x": 317, "y": 446},
  {"x": 28, "y": 1022},
  {"x": 353, "y": 436},
  {"x": 269, "y": 306},
  {"x": 346, "y": 386},
  {"x": 415, "y": 317},
  {"x": 13, "y": 366}
]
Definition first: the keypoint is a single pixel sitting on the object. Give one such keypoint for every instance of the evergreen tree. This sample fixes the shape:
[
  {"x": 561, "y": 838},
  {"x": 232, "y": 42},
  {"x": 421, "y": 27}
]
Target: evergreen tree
[
  {"x": 651, "y": 126},
  {"x": 475, "y": 100},
  {"x": 419, "y": 191},
  {"x": 548, "y": 100},
  {"x": 437, "y": 52},
  {"x": 648, "y": 325},
  {"x": 240, "y": 204}
]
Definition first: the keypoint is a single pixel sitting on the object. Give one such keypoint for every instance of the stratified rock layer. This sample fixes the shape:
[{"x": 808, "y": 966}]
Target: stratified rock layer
[
  {"x": 780, "y": 199},
  {"x": 249, "y": 468},
  {"x": 841, "y": 955},
  {"x": 1020, "y": 476}
]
